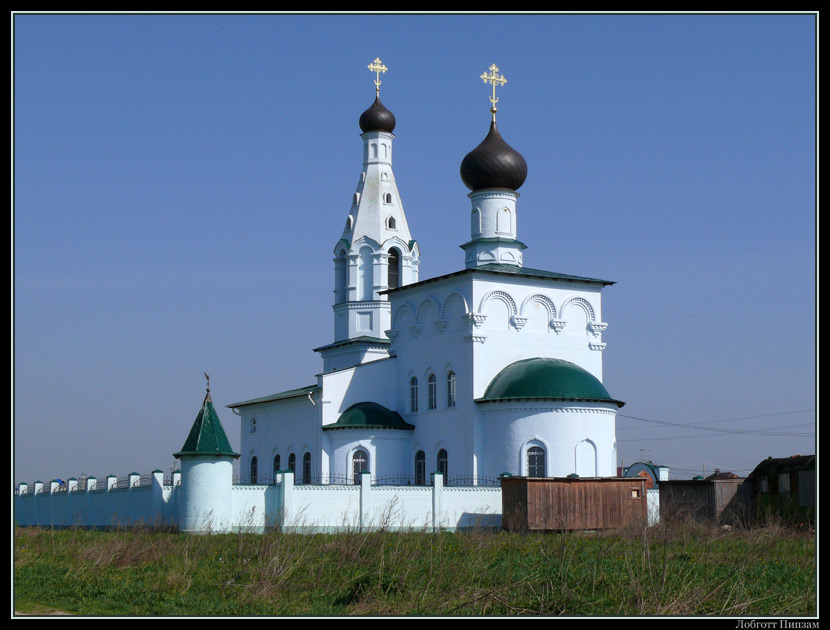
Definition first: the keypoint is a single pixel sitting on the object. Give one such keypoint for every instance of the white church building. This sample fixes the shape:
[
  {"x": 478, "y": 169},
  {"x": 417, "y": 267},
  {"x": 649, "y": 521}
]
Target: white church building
[
  {"x": 493, "y": 369},
  {"x": 430, "y": 391}
]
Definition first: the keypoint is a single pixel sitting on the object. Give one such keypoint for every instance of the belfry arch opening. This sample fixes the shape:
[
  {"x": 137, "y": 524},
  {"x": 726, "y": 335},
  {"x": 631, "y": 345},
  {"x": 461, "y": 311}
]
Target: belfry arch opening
[{"x": 394, "y": 269}]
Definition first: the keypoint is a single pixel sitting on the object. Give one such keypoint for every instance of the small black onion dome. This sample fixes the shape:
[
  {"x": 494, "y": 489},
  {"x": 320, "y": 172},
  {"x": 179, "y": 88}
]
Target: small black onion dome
[
  {"x": 493, "y": 164},
  {"x": 377, "y": 118}
]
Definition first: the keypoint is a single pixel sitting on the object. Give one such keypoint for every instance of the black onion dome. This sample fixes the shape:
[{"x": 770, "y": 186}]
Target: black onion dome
[
  {"x": 493, "y": 164},
  {"x": 377, "y": 118}
]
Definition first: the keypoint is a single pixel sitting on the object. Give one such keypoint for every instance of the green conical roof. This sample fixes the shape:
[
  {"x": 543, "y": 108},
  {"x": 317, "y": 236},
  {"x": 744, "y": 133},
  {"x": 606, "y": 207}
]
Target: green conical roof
[
  {"x": 207, "y": 437},
  {"x": 546, "y": 379}
]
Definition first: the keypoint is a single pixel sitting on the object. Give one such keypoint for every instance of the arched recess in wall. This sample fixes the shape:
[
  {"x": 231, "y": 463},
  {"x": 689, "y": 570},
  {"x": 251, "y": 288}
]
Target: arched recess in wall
[
  {"x": 585, "y": 456},
  {"x": 475, "y": 222},
  {"x": 539, "y": 311},
  {"x": 578, "y": 313},
  {"x": 365, "y": 286},
  {"x": 504, "y": 221},
  {"x": 428, "y": 313},
  {"x": 453, "y": 311},
  {"x": 499, "y": 308}
]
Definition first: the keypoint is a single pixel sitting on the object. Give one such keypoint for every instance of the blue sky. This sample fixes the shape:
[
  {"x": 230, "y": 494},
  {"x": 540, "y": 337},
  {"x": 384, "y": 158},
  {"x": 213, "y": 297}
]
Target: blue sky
[{"x": 180, "y": 182}]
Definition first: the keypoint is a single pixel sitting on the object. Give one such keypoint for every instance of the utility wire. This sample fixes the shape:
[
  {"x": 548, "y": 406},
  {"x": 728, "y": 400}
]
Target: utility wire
[{"x": 721, "y": 430}]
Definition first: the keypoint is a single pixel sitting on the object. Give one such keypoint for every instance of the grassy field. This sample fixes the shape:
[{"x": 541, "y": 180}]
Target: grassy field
[{"x": 677, "y": 570}]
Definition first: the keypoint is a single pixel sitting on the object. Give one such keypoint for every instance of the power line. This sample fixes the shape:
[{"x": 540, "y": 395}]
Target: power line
[
  {"x": 721, "y": 430},
  {"x": 759, "y": 431}
]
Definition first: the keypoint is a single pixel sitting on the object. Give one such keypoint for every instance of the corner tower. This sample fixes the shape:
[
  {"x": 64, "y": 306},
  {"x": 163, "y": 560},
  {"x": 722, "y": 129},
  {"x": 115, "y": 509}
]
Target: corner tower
[
  {"x": 493, "y": 171},
  {"x": 207, "y": 474},
  {"x": 375, "y": 252}
]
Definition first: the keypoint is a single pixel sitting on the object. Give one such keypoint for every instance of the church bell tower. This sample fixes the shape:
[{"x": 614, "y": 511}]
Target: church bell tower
[{"x": 375, "y": 252}]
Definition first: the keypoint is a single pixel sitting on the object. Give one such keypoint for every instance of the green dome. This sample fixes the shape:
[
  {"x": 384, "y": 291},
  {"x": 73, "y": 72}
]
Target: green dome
[
  {"x": 369, "y": 415},
  {"x": 546, "y": 379}
]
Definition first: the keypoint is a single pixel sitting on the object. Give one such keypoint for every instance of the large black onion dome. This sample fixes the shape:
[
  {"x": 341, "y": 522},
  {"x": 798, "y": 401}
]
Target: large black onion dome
[
  {"x": 493, "y": 164},
  {"x": 377, "y": 118}
]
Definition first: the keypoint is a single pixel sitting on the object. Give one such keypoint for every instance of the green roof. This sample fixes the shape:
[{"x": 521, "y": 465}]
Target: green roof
[
  {"x": 207, "y": 437},
  {"x": 291, "y": 393},
  {"x": 546, "y": 379},
  {"x": 356, "y": 341},
  {"x": 493, "y": 239},
  {"x": 369, "y": 415},
  {"x": 513, "y": 270}
]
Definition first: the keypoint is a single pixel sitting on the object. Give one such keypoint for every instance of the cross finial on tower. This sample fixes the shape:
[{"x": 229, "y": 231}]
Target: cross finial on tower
[
  {"x": 207, "y": 376},
  {"x": 494, "y": 79},
  {"x": 377, "y": 67}
]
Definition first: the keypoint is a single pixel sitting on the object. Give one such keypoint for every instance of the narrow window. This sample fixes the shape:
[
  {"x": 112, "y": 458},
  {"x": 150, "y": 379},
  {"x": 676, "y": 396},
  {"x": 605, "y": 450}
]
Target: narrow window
[
  {"x": 292, "y": 462},
  {"x": 420, "y": 468},
  {"x": 360, "y": 463},
  {"x": 253, "y": 425},
  {"x": 443, "y": 464},
  {"x": 307, "y": 468},
  {"x": 391, "y": 223},
  {"x": 432, "y": 392},
  {"x": 387, "y": 198},
  {"x": 276, "y": 465},
  {"x": 253, "y": 470},
  {"x": 342, "y": 267},
  {"x": 413, "y": 395},
  {"x": 451, "y": 389},
  {"x": 394, "y": 268},
  {"x": 535, "y": 461}
]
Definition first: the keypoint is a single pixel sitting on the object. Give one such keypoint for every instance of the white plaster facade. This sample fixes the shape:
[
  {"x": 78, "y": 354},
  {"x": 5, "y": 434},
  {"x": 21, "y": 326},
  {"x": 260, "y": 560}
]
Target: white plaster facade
[{"x": 428, "y": 351}]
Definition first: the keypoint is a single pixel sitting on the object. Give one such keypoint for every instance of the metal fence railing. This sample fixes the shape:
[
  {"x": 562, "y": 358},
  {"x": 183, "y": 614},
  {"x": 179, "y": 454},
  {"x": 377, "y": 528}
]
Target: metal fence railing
[{"x": 377, "y": 480}]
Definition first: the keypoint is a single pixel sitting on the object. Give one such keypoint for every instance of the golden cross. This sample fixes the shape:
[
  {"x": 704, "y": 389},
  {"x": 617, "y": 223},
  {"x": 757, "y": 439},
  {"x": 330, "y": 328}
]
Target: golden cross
[
  {"x": 494, "y": 78},
  {"x": 377, "y": 67}
]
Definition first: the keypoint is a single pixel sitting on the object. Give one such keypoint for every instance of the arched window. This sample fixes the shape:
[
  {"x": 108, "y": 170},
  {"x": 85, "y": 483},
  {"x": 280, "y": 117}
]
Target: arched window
[
  {"x": 360, "y": 463},
  {"x": 292, "y": 462},
  {"x": 432, "y": 392},
  {"x": 413, "y": 395},
  {"x": 307, "y": 468},
  {"x": 442, "y": 464},
  {"x": 253, "y": 425},
  {"x": 393, "y": 280},
  {"x": 276, "y": 465},
  {"x": 253, "y": 470},
  {"x": 387, "y": 198},
  {"x": 451, "y": 389},
  {"x": 420, "y": 468},
  {"x": 535, "y": 461},
  {"x": 391, "y": 223}
]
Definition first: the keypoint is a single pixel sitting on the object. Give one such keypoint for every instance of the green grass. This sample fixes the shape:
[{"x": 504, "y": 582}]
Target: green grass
[{"x": 677, "y": 570}]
